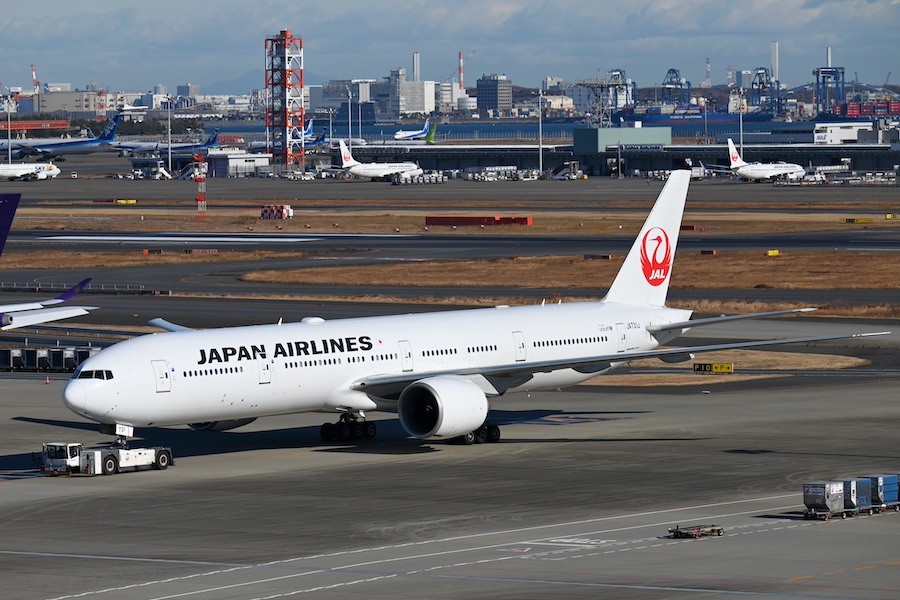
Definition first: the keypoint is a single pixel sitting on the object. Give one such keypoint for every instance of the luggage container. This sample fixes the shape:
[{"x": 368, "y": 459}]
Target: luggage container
[
  {"x": 858, "y": 495},
  {"x": 824, "y": 499},
  {"x": 884, "y": 492}
]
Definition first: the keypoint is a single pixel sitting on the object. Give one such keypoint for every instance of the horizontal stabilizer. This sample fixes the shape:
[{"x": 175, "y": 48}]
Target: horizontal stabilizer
[{"x": 713, "y": 320}]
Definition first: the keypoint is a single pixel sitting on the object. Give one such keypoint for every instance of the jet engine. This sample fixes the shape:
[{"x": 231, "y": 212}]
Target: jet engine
[
  {"x": 442, "y": 406},
  {"x": 220, "y": 425}
]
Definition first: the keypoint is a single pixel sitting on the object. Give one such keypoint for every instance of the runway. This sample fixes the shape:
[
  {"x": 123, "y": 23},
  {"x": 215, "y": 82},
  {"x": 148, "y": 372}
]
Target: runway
[{"x": 575, "y": 501}]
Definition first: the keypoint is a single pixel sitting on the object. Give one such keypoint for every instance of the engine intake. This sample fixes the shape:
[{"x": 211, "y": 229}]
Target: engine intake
[{"x": 443, "y": 406}]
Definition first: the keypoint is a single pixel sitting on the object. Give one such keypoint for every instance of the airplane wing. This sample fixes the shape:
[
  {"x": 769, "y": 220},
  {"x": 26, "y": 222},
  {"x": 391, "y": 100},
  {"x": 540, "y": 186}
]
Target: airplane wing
[
  {"x": 33, "y": 313},
  {"x": 13, "y": 320},
  {"x": 168, "y": 325},
  {"x": 504, "y": 377}
]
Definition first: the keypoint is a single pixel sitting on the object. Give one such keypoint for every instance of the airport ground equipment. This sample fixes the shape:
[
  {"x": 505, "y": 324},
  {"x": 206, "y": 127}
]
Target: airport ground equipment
[
  {"x": 858, "y": 496},
  {"x": 696, "y": 531},
  {"x": 72, "y": 458},
  {"x": 824, "y": 499},
  {"x": 884, "y": 492}
]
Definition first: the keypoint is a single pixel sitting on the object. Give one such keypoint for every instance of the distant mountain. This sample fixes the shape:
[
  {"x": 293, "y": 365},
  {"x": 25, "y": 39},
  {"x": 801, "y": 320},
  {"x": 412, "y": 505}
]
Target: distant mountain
[{"x": 251, "y": 80}]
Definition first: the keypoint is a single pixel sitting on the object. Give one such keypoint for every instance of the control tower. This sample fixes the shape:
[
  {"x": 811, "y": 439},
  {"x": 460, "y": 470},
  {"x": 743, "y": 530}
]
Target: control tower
[{"x": 285, "y": 116}]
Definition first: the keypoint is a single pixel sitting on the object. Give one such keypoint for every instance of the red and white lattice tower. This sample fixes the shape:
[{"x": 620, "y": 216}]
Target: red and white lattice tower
[
  {"x": 200, "y": 169},
  {"x": 284, "y": 109}
]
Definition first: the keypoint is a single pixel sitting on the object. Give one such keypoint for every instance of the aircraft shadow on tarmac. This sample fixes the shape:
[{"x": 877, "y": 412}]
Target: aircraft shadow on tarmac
[{"x": 391, "y": 439}]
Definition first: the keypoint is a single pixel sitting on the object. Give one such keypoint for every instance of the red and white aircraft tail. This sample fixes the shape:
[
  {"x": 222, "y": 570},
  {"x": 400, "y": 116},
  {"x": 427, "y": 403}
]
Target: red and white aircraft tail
[
  {"x": 734, "y": 157},
  {"x": 644, "y": 277},
  {"x": 347, "y": 159}
]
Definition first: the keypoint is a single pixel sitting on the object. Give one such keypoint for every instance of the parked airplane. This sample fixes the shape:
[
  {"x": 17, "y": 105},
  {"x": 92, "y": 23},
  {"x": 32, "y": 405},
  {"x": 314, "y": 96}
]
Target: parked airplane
[
  {"x": 264, "y": 146},
  {"x": 413, "y": 135},
  {"x": 54, "y": 148},
  {"x": 132, "y": 148},
  {"x": 759, "y": 171},
  {"x": 315, "y": 142},
  {"x": 436, "y": 370},
  {"x": 376, "y": 170},
  {"x": 29, "y": 171},
  {"x": 43, "y": 311},
  {"x": 428, "y": 138}
]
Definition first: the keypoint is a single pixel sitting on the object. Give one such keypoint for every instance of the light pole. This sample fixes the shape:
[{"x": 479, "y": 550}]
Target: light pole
[
  {"x": 169, "y": 118},
  {"x": 7, "y": 101},
  {"x": 540, "y": 132},
  {"x": 741, "y": 120},
  {"x": 349, "y": 118}
]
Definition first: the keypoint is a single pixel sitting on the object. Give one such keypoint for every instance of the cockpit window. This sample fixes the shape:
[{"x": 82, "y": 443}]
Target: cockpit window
[{"x": 95, "y": 375}]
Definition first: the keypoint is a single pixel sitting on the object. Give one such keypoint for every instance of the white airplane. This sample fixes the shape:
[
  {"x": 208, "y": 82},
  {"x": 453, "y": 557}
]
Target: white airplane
[
  {"x": 416, "y": 134},
  {"x": 132, "y": 148},
  {"x": 43, "y": 311},
  {"x": 376, "y": 170},
  {"x": 54, "y": 148},
  {"x": 762, "y": 170},
  {"x": 29, "y": 171},
  {"x": 438, "y": 371},
  {"x": 262, "y": 146}
]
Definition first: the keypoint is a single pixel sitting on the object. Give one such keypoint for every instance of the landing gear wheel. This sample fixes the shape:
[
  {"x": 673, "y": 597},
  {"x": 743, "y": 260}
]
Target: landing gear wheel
[
  {"x": 481, "y": 435},
  {"x": 110, "y": 465},
  {"x": 163, "y": 460},
  {"x": 369, "y": 430},
  {"x": 326, "y": 432},
  {"x": 344, "y": 432},
  {"x": 467, "y": 439},
  {"x": 493, "y": 434},
  {"x": 356, "y": 431}
]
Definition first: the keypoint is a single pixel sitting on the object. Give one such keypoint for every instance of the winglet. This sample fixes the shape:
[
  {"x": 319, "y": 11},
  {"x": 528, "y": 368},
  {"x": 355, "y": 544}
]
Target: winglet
[
  {"x": 69, "y": 294},
  {"x": 644, "y": 277},
  {"x": 8, "y": 205}
]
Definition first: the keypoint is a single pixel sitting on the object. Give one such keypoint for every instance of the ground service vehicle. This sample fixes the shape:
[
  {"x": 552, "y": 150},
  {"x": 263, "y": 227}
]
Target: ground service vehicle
[
  {"x": 63, "y": 458},
  {"x": 696, "y": 531}
]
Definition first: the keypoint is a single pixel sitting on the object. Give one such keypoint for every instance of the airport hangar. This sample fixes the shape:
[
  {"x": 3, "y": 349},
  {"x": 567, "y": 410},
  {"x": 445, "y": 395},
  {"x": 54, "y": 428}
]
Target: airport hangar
[{"x": 640, "y": 149}]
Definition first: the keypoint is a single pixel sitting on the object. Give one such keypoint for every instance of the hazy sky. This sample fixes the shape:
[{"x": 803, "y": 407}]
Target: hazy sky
[{"x": 134, "y": 45}]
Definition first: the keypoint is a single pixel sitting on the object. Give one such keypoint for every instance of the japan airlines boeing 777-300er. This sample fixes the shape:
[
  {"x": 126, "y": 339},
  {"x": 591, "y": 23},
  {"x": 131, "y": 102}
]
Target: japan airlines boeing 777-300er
[
  {"x": 437, "y": 370},
  {"x": 757, "y": 171},
  {"x": 43, "y": 311},
  {"x": 375, "y": 170},
  {"x": 54, "y": 148}
]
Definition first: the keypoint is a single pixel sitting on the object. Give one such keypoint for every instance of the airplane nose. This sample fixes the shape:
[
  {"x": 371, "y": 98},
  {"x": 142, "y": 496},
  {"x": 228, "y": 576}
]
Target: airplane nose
[{"x": 74, "y": 395}]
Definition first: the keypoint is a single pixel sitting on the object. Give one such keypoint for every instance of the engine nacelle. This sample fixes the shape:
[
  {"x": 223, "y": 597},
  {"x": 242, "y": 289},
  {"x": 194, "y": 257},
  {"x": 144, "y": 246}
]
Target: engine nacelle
[
  {"x": 220, "y": 425},
  {"x": 442, "y": 406}
]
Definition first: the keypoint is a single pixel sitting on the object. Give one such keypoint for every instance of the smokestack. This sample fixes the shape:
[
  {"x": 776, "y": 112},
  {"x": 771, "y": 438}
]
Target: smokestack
[
  {"x": 416, "y": 66},
  {"x": 828, "y": 58},
  {"x": 461, "y": 85},
  {"x": 775, "y": 61}
]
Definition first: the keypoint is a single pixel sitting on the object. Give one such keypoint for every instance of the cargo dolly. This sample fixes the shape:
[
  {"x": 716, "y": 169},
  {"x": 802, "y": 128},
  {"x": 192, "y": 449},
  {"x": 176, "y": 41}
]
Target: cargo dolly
[{"x": 696, "y": 531}]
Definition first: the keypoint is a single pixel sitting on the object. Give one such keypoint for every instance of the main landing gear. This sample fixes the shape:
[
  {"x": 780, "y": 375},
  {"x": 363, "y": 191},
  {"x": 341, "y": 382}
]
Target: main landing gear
[
  {"x": 485, "y": 434},
  {"x": 348, "y": 428}
]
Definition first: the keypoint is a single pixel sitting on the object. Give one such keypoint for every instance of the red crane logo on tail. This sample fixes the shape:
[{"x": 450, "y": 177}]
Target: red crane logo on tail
[{"x": 656, "y": 256}]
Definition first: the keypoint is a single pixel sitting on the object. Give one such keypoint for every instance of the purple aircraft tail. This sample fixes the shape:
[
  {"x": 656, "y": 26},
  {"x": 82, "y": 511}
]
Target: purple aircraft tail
[{"x": 8, "y": 205}]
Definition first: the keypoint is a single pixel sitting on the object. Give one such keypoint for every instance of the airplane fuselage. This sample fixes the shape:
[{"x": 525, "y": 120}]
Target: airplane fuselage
[
  {"x": 247, "y": 372},
  {"x": 770, "y": 171}
]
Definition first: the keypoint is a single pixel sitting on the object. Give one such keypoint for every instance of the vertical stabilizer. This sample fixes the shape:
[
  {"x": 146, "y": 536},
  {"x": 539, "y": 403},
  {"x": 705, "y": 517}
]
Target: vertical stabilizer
[
  {"x": 644, "y": 277},
  {"x": 8, "y": 205},
  {"x": 109, "y": 132},
  {"x": 734, "y": 157},
  {"x": 429, "y": 137},
  {"x": 347, "y": 159}
]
